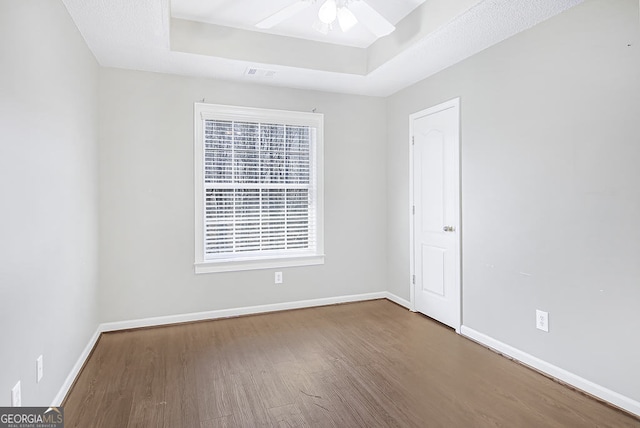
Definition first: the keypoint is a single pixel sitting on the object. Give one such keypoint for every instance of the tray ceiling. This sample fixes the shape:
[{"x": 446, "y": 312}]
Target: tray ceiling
[
  {"x": 245, "y": 14},
  {"x": 216, "y": 39}
]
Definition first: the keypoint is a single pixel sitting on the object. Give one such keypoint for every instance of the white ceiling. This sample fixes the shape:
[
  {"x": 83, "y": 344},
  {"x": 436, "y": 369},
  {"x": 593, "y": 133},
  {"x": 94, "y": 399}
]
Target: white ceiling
[
  {"x": 137, "y": 35},
  {"x": 245, "y": 14}
]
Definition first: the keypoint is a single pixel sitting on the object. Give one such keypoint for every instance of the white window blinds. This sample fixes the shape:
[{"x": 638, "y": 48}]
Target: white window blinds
[{"x": 258, "y": 187}]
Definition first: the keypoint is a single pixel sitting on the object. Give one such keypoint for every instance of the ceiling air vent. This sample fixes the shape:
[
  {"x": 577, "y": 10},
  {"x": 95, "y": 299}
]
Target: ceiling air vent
[{"x": 259, "y": 72}]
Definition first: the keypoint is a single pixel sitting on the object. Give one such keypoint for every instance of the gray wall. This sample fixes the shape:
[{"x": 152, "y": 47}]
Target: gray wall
[
  {"x": 550, "y": 188},
  {"x": 48, "y": 192},
  {"x": 147, "y": 198}
]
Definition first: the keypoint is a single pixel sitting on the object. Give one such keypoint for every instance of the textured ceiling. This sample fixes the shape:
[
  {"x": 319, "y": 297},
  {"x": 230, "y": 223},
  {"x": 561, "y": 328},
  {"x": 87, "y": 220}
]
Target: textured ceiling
[{"x": 137, "y": 35}]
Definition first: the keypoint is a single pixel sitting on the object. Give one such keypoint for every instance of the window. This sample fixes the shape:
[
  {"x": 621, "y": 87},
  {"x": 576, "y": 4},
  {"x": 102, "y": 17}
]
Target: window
[{"x": 258, "y": 182}]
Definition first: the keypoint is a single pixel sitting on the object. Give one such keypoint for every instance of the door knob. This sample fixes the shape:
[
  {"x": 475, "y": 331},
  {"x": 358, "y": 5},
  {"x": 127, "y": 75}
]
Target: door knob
[{"x": 449, "y": 228}]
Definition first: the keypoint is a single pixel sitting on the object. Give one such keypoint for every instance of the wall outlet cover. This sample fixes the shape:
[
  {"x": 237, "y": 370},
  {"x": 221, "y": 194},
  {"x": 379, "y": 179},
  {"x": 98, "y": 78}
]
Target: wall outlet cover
[
  {"x": 39, "y": 368},
  {"x": 16, "y": 395},
  {"x": 542, "y": 320}
]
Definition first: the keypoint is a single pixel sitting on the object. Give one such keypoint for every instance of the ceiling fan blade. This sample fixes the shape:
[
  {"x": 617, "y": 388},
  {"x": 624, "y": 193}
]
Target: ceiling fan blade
[
  {"x": 371, "y": 19},
  {"x": 283, "y": 14}
]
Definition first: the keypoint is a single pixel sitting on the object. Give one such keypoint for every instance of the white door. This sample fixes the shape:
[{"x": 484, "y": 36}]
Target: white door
[{"x": 436, "y": 212}]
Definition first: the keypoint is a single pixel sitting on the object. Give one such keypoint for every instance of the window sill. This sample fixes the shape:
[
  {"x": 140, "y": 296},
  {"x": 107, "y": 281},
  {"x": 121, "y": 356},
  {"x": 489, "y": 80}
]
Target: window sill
[{"x": 236, "y": 265}]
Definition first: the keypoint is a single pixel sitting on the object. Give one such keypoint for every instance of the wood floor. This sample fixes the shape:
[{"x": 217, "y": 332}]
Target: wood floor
[{"x": 370, "y": 364}]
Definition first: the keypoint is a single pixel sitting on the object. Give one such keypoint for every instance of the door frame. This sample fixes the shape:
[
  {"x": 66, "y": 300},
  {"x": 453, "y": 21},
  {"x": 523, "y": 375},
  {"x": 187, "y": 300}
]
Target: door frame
[{"x": 454, "y": 103}]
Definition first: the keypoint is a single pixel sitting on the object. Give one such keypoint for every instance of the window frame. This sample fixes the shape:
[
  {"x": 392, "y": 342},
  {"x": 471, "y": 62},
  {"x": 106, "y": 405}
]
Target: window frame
[{"x": 205, "y": 111}]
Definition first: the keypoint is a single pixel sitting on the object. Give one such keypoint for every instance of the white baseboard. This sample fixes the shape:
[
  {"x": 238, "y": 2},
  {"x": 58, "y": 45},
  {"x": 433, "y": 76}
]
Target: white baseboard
[
  {"x": 57, "y": 401},
  {"x": 399, "y": 300},
  {"x": 569, "y": 378},
  {"x": 234, "y": 312}
]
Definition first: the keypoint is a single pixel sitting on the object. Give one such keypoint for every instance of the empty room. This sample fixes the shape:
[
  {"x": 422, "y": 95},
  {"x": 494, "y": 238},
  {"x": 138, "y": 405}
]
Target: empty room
[{"x": 310, "y": 213}]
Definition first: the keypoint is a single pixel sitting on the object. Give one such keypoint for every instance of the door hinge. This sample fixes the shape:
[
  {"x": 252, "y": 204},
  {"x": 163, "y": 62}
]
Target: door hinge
[
  {"x": 413, "y": 280},
  {"x": 413, "y": 140},
  {"x": 413, "y": 210}
]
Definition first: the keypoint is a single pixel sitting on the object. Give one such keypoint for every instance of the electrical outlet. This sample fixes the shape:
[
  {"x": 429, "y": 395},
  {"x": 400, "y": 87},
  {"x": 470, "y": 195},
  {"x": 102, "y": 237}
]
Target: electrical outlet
[
  {"x": 542, "y": 320},
  {"x": 278, "y": 278},
  {"x": 16, "y": 396},
  {"x": 39, "y": 368}
]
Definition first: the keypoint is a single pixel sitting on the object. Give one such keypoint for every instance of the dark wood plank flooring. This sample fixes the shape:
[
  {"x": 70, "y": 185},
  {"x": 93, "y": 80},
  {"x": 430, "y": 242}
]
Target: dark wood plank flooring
[{"x": 369, "y": 364}]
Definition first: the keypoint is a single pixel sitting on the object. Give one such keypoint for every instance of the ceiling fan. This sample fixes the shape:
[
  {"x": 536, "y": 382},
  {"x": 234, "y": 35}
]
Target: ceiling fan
[{"x": 346, "y": 12}]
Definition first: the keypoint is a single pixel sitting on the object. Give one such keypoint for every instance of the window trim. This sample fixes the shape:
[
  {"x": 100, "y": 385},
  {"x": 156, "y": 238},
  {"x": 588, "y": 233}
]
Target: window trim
[{"x": 204, "y": 111}]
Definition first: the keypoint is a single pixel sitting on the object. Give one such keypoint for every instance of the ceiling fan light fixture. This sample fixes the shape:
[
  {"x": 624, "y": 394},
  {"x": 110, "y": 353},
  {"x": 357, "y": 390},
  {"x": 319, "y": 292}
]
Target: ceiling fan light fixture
[
  {"x": 328, "y": 12},
  {"x": 371, "y": 19},
  {"x": 346, "y": 19}
]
